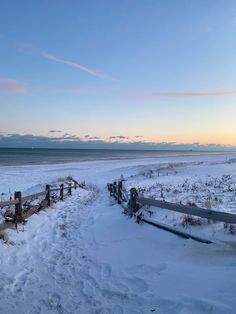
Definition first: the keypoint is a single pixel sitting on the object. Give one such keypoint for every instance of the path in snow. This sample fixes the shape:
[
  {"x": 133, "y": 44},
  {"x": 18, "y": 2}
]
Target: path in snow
[
  {"x": 45, "y": 267},
  {"x": 84, "y": 256}
]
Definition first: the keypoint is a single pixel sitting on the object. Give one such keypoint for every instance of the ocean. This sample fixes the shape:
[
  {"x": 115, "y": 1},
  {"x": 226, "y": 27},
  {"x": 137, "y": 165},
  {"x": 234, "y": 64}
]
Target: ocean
[{"x": 36, "y": 156}]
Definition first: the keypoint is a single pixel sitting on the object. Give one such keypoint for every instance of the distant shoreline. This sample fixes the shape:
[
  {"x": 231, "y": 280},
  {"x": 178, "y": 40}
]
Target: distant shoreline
[
  {"x": 41, "y": 156},
  {"x": 118, "y": 149}
]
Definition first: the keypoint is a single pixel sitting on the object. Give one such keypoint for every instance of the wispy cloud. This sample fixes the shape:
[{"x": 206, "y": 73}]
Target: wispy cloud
[
  {"x": 11, "y": 86},
  {"x": 90, "y": 138},
  {"x": 140, "y": 93},
  {"x": 194, "y": 94},
  {"x": 76, "y": 65},
  {"x": 68, "y": 136},
  {"x": 70, "y": 63},
  {"x": 55, "y": 131},
  {"x": 31, "y": 49},
  {"x": 119, "y": 137},
  {"x": 94, "y": 138}
]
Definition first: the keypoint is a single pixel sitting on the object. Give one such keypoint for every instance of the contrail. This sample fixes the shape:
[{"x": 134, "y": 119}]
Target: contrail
[{"x": 75, "y": 65}]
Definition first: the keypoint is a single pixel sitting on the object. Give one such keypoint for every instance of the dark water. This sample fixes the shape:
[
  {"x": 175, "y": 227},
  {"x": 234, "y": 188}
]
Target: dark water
[{"x": 21, "y": 156}]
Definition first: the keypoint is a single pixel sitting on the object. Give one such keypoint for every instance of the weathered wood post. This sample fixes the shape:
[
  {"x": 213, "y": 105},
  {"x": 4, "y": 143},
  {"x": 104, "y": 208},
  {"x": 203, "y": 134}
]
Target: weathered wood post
[
  {"x": 61, "y": 192},
  {"x": 115, "y": 189},
  {"x": 133, "y": 201},
  {"x": 110, "y": 188},
  {"x": 69, "y": 190},
  {"x": 18, "y": 206},
  {"x": 48, "y": 194},
  {"x": 119, "y": 192}
]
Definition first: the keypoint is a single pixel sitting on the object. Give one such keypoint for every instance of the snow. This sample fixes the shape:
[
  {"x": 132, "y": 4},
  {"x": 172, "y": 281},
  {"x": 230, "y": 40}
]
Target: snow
[{"x": 84, "y": 256}]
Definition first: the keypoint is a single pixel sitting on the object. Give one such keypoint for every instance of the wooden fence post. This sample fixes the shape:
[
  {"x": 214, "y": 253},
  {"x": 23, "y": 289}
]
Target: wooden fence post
[
  {"x": 61, "y": 192},
  {"x": 48, "y": 194},
  {"x": 114, "y": 189},
  {"x": 69, "y": 190},
  {"x": 110, "y": 188},
  {"x": 119, "y": 192},
  {"x": 133, "y": 201},
  {"x": 18, "y": 207}
]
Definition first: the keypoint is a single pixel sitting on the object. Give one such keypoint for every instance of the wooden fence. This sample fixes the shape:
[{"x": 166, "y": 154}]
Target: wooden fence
[
  {"x": 20, "y": 215},
  {"x": 132, "y": 202}
]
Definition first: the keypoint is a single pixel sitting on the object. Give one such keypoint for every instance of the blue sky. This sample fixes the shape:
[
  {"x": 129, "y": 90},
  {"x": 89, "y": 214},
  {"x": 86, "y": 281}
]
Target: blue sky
[{"x": 100, "y": 72}]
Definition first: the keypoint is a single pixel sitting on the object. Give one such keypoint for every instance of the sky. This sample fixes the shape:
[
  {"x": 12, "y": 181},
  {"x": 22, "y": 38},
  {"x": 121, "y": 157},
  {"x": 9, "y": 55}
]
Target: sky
[{"x": 127, "y": 73}]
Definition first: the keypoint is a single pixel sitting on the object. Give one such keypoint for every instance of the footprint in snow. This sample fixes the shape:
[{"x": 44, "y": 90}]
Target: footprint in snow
[
  {"x": 54, "y": 303},
  {"x": 106, "y": 272},
  {"x": 117, "y": 310},
  {"x": 147, "y": 269},
  {"x": 137, "y": 285}
]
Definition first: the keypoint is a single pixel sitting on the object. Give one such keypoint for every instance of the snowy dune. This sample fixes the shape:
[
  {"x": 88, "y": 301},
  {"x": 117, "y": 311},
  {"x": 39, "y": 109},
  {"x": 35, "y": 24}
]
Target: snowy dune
[{"x": 84, "y": 256}]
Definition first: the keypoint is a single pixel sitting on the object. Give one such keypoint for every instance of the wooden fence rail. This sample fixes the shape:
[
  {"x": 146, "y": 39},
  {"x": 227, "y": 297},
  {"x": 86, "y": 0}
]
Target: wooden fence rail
[
  {"x": 19, "y": 201},
  {"x": 190, "y": 210},
  {"x": 8, "y": 203},
  {"x": 33, "y": 196},
  {"x": 135, "y": 200},
  {"x": 132, "y": 202}
]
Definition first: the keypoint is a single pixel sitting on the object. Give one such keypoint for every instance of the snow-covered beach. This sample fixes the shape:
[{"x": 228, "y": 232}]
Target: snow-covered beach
[{"x": 84, "y": 256}]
